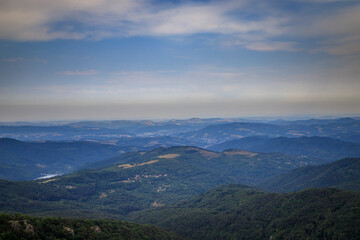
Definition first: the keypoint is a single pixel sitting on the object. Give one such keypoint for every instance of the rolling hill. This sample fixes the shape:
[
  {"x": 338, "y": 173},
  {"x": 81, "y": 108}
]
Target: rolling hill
[
  {"x": 29, "y": 160},
  {"x": 140, "y": 180},
  {"x": 216, "y": 134},
  {"x": 344, "y": 174},
  {"x": 241, "y": 212},
  {"x": 318, "y": 147}
]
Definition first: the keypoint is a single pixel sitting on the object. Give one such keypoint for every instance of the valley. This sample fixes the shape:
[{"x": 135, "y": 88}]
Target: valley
[{"x": 205, "y": 191}]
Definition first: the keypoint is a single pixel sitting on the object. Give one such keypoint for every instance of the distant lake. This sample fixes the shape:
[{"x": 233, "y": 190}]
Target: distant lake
[{"x": 48, "y": 176}]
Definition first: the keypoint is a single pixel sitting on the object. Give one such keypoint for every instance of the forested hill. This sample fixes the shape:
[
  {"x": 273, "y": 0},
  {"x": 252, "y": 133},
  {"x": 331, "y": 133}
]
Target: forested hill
[
  {"x": 14, "y": 227},
  {"x": 344, "y": 174},
  {"x": 142, "y": 180},
  {"x": 241, "y": 212},
  {"x": 320, "y": 147}
]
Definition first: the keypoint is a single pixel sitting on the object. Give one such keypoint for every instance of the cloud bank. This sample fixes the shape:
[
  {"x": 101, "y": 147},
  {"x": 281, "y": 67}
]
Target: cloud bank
[{"x": 336, "y": 30}]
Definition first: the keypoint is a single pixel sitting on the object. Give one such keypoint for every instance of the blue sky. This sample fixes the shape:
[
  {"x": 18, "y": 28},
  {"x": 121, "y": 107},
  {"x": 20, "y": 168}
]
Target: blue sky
[{"x": 113, "y": 59}]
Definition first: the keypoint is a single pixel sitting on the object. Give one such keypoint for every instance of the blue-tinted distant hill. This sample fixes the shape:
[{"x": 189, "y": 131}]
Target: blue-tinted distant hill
[
  {"x": 59, "y": 133},
  {"x": 146, "y": 128},
  {"x": 105, "y": 130},
  {"x": 315, "y": 121},
  {"x": 346, "y": 131},
  {"x": 28, "y": 160},
  {"x": 343, "y": 174},
  {"x": 318, "y": 147}
]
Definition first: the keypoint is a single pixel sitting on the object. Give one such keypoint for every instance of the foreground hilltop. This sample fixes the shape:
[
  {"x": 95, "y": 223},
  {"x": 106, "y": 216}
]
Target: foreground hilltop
[{"x": 25, "y": 227}]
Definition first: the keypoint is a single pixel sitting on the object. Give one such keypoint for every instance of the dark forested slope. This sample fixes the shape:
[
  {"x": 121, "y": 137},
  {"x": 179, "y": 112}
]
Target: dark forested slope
[
  {"x": 343, "y": 174},
  {"x": 24, "y": 227},
  {"x": 241, "y": 212},
  {"x": 318, "y": 147}
]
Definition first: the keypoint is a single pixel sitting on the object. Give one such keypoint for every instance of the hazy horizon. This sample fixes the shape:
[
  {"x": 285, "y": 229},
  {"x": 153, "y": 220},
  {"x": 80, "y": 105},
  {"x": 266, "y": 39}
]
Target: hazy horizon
[{"x": 153, "y": 59}]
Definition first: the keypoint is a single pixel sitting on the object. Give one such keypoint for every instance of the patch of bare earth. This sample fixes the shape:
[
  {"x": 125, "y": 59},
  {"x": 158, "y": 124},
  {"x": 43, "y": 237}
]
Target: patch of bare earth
[
  {"x": 137, "y": 164},
  {"x": 156, "y": 204},
  {"x": 49, "y": 180},
  {"x": 168, "y": 156},
  {"x": 240, "y": 152},
  {"x": 103, "y": 195}
]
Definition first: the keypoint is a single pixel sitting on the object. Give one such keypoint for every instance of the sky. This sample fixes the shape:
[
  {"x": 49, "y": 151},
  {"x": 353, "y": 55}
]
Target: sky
[{"x": 153, "y": 59}]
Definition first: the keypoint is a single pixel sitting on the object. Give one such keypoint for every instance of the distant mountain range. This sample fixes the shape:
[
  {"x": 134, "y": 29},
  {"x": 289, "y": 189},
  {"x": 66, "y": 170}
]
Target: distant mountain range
[
  {"x": 106, "y": 130},
  {"x": 241, "y": 212},
  {"x": 314, "y": 121},
  {"x": 60, "y": 133},
  {"x": 203, "y": 132},
  {"x": 318, "y": 147},
  {"x": 344, "y": 174},
  {"x": 216, "y": 134}
]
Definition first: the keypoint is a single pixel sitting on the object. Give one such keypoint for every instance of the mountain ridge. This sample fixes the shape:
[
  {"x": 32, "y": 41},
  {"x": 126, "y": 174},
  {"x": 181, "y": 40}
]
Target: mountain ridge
[
  {"x": 320, "y": 147},
  {"x": 343, "y": 174}
]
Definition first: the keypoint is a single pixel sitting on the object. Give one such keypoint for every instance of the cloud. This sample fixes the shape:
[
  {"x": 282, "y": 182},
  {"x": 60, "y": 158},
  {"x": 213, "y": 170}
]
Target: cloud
[
  {"x": 47, "y": 20},
  {"x": 43, "y": 20},
  {"x": 335, "y": 32},
  {"x": 339, "y": 22},
  {"x": 342, "y": 46},
  {"x": 39, "y": 60},
  {"x": 271, "y": 46},
  {"x": 254, "y": 25},
  {"x": 226, "y": 74},
  {"x": 208, "y": 18},
  {"x": 79, "y": 73}
]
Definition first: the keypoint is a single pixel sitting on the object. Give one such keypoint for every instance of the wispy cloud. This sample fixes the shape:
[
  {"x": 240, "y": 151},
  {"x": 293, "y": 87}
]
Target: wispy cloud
[
  {"x": 97, "y": 19},
  {"x": 271, "y": 46},
  {"x": 254, "y": 25},
  {"x": 225, "y": 74},
  {"x": 79, "y": 73},
  {"x": 336, "y": 32}
]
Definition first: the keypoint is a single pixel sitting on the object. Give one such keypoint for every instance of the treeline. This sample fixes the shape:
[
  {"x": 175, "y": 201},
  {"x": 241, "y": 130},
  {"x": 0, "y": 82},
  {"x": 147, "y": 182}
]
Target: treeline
[
  {"x": 240, "y": 212},
  {"x": 26, "y": 227}
]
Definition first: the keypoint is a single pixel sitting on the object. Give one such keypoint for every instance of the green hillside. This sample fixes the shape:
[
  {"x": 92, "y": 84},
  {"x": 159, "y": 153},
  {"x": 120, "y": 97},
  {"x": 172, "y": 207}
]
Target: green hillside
[
  {"x": 344, "y": 174},
  {"x": 241, "y": 212},
  {"x": 142, "y": 180},
  {"x": 24, "y": 227}
]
